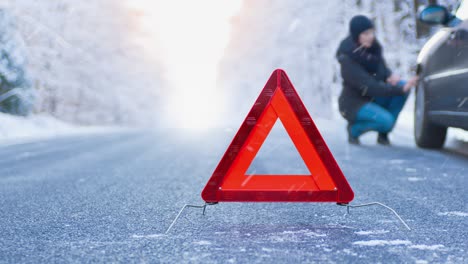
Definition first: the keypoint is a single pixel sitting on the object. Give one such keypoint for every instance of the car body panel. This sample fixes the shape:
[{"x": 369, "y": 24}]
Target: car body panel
[{"x": 443, "y": 69}]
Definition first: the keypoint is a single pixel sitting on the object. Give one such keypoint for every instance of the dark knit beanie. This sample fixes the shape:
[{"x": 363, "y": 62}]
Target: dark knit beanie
[{"x": 358, "y": 25}]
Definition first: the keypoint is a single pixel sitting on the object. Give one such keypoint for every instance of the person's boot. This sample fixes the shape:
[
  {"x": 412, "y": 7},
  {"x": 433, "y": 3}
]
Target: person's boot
[
  {"x": 382, "y": 139},
  {"x": 352, "y": 139}
]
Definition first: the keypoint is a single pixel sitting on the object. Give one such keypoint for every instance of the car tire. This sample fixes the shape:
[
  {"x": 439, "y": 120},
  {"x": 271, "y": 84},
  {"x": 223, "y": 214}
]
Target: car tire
[{"x": 426, "y": 134}]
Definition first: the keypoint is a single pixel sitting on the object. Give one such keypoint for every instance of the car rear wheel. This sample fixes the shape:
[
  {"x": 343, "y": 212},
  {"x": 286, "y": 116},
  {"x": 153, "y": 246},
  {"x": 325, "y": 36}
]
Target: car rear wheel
[{"x": 426, "y": 134}]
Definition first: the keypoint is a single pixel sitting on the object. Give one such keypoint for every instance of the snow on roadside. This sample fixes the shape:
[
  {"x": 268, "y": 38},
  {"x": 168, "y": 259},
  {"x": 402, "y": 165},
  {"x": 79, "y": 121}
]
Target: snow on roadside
[
  {"x": 458, "y": 134},
  {"x": 16, "y": 129}
]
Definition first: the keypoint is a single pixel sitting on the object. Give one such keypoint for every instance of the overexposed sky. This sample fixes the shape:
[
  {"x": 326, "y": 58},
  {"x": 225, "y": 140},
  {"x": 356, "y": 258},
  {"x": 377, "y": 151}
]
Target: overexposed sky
[{"x": 189, "y": 38}]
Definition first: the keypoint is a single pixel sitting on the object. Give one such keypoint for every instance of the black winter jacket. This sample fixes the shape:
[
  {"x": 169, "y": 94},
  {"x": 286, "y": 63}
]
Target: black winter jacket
[{"x": 359, "y": 85}]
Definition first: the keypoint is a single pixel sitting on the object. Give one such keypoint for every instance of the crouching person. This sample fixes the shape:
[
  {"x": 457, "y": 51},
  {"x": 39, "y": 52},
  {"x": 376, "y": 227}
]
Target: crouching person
[{"x": 372, "y": 97}]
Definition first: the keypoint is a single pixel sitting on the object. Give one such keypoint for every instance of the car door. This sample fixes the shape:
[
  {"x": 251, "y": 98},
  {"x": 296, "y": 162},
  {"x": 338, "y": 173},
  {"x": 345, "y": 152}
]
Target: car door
[
  {"x": 439, "y": 69},
  {"x": 459, "y": 90}
]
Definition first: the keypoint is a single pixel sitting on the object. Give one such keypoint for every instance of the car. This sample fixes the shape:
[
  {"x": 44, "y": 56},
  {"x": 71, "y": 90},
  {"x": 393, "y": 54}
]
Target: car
[{"x": 442, "y": 65}]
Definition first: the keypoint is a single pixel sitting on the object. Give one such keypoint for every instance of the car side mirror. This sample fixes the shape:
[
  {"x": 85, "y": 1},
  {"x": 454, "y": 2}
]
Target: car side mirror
[{"x": 434, "y": 15}]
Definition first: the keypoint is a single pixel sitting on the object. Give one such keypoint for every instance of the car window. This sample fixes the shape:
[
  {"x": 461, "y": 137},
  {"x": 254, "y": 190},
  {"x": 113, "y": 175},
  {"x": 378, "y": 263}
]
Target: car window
[{"x": 462, "y": 11}]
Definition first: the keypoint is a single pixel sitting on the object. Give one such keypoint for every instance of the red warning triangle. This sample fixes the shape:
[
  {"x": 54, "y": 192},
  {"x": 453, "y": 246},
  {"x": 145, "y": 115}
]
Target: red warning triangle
[{"x": 325, "y": 183}]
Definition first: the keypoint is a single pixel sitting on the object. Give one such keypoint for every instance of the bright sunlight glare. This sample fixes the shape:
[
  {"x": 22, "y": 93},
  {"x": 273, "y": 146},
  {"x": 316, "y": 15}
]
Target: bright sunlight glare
[{"x": 190, "y": 38}]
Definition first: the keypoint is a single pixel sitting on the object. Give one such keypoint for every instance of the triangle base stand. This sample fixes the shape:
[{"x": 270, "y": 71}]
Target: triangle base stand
[
  {"x": 340, "y": 204},
  {"x": 188, "y": 206},
  {"x": 375, "y": 203}
]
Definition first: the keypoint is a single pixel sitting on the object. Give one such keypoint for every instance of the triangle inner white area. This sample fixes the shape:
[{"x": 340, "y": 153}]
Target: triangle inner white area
[{"x": 278, "y": 155}]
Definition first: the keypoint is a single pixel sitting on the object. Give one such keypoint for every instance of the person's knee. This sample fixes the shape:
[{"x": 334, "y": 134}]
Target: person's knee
[
  {"x": 386, "y": 123},
  {"x": 403, "y": 98}
]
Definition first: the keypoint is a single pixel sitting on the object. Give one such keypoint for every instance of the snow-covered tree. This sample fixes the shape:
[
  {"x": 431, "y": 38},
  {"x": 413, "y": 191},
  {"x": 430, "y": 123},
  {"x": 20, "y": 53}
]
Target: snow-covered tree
[
  {"x": 16, "y": 95},
  {"x": 86, "y": 63}
]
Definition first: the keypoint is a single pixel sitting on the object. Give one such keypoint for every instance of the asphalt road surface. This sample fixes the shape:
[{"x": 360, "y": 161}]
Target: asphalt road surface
[{"x": 110, "y": 197}]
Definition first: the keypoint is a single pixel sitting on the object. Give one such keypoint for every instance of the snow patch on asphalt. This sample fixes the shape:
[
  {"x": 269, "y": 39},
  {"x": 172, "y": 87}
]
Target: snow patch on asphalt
[
  {"x": 426, "y": 247},
  {"x": 349, "y": 252},
  {"x": 294, "y": 236},
  {"x": 416, "y": 179},
  {"x": 397, "y": 161},
  {"x": 453, "y": 213},
  {"x": 202, "y": 243},
  {"x": 267, "y": 249},
  {"x": 373, "y": 243},
  {"x": 371, "y": 232},
  {"x": 421, "y": 261},
  {"x": 397, "y": 242},
  {"x": 305, "y": 232},
  {"x": 149, "y": 236}
]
